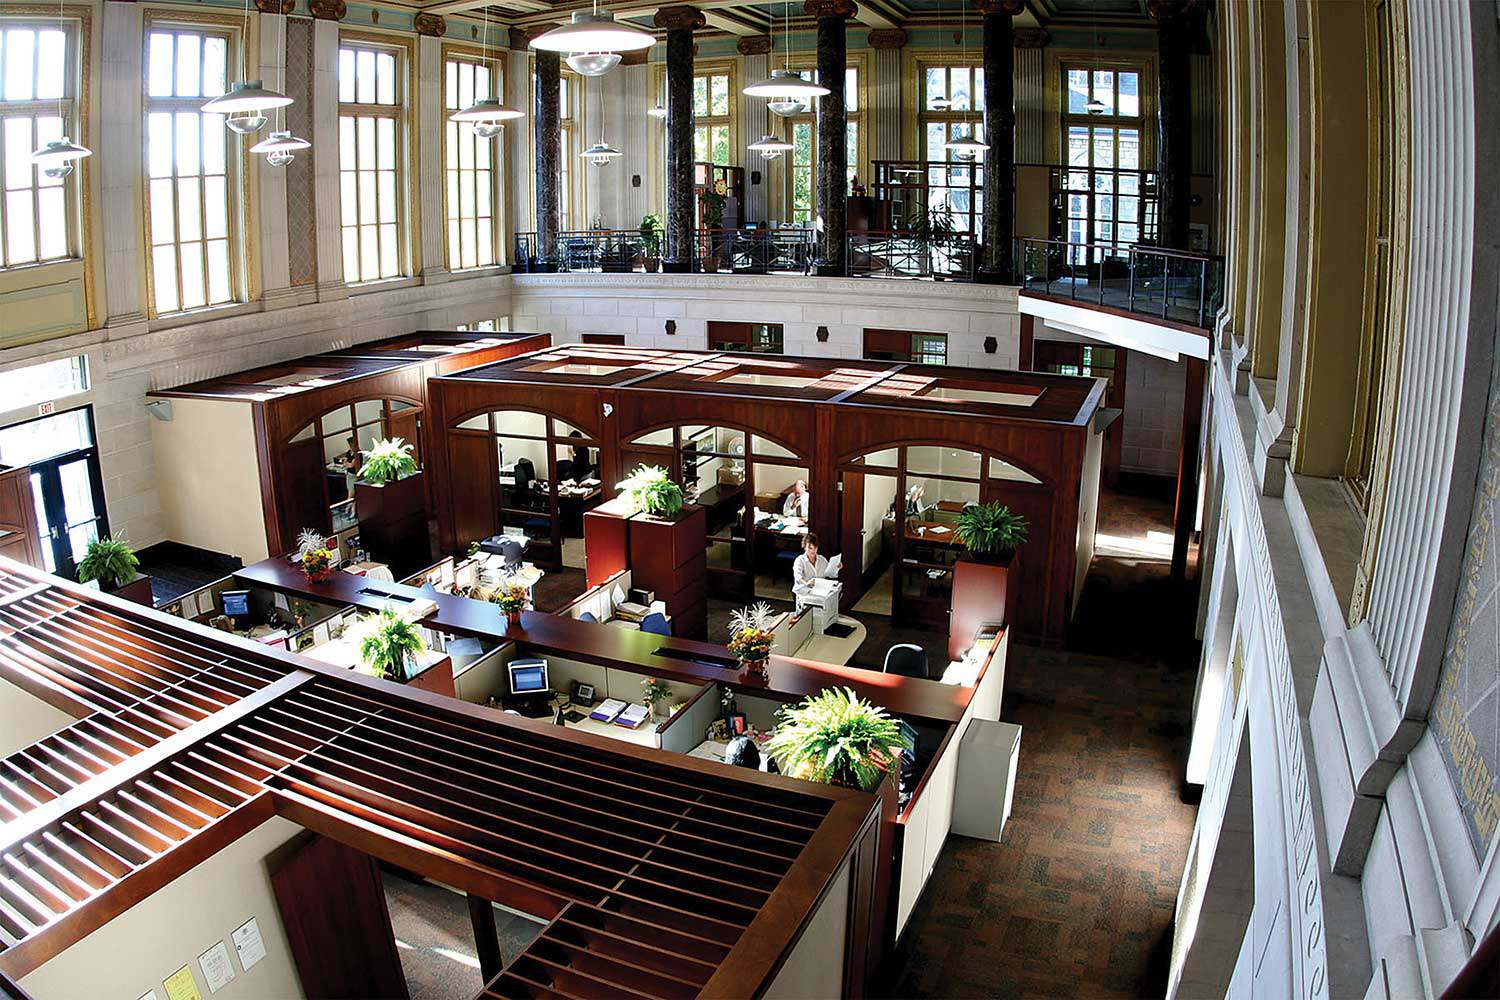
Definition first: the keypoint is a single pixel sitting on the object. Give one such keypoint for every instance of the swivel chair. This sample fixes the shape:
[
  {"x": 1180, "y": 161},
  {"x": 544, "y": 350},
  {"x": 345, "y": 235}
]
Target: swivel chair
[{"x": 906, "y": 659}]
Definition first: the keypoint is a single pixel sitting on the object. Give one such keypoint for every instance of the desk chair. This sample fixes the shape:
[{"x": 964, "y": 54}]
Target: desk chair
[
  {"x": 564, "y": 469},
  {"x": 906, "y": 659},
  {"x": 656, "y": 623},
  {"x": 588, "y": 616},
  {"x": 511, "y": 551}
]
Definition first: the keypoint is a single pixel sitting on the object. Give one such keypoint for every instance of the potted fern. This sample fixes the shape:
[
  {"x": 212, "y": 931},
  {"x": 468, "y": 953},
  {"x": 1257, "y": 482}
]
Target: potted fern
[
  {"x": 651, "y": 242},
  {"x": 111, "y": 565},
  {"x": 390, "y": 646},
  {"x": 837, "y": 738},
  {"x": 390, "y": 500},
  {"x": 990, "y": 533},
  {"x": 650, "y": 490}
]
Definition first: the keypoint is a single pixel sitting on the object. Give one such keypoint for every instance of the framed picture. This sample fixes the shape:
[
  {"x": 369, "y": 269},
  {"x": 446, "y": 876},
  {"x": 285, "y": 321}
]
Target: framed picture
[{"x": 738, "y": 724}]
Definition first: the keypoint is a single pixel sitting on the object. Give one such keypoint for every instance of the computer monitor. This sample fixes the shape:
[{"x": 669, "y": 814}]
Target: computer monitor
[
  {"x": 236, "y": 605},
  {"x": 528, "y": 676}
]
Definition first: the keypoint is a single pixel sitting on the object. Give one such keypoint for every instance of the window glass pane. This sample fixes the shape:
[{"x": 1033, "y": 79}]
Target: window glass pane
[
  {"x": 20, "y": 228},
  {"x": 218, "y": 271},
  {"x": 189, "y": 211},
  {"x": 37, "y": 440},
  {"x": 164, "y": 277},
  {"x": 719, "y": 95},
  {"x": 215, "y": 208},
  {"x": 19, "y": 46},
  {"x": 936, "y": 461},
  {"x": 958, "y": 82},
  {"x": 346, "y": 75},
  {"x": 700, "y": 95},
  {"x": 159, "y": 65},
  {"x": 212, "y": 129},
  {"x": 189, "y": 63},
  {"x": 18, "y": 147},
  {"x": 215, "y": 52},
  {"x": 936, "y": 90},
  {"x": 1130, "y": 94},
  {"x": 51, "y": 64},
  {"x": 385, "y": 78},
  {"x": 32, "y": 384},
  {"x": 193, "y": 293},
  {"x": 1104, "y": 90},
  {"x": 52, "y": 223},
  {"x": 851, "y": 88},
  {"x": 187, "y": 142}
]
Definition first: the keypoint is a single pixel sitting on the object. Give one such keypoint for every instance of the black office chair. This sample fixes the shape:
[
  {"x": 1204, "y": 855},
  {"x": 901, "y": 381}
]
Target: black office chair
[
  {"x": 906, "y": 659},
  {"x": 564, "y": 469},
  {"x": 525, "y": 474},
  {"x": 511, "y": 551}
]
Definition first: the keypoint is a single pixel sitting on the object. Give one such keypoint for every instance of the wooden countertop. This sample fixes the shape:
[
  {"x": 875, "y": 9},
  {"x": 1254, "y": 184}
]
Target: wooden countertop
[{"x": 685, "y": 660}]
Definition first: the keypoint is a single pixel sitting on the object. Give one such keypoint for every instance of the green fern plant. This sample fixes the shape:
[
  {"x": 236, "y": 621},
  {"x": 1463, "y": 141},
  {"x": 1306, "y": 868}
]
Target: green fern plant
[
  {"x": 390, "y": 641},
  {"x": 837, "y": 738},
  {"x": 388, "y": 460},
  {"x": 110, "y": 561},
  {"x": 650, "y": 489},
  {"x": 990, "y": 529}
]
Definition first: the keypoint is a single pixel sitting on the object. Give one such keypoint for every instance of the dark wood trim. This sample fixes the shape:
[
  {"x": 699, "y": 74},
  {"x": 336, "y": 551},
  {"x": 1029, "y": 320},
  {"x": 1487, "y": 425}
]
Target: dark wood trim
[
  {"x": 1185, "y": 510},
  {"x": 486, "y": 936},
  {"x": 1028, "y": 327}
]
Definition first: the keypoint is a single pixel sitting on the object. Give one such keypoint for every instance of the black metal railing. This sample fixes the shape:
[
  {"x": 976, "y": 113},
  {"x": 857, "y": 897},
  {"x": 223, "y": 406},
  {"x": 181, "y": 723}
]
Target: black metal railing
[{"x": 1169, "y": 284}]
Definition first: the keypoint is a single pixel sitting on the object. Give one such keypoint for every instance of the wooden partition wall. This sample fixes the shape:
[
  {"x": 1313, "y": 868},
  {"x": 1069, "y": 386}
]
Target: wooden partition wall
[
  {"x": 847, "y": 419},
  {"x": 263, "y": 429}
]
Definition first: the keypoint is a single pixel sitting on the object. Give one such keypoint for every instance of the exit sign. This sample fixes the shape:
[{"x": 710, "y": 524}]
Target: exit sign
[{"x": 44, "y": 409}]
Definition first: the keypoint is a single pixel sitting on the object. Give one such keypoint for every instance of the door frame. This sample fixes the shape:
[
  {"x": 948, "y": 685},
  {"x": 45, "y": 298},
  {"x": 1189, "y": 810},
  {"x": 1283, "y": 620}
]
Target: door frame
[{"x": 55, "y": 536}]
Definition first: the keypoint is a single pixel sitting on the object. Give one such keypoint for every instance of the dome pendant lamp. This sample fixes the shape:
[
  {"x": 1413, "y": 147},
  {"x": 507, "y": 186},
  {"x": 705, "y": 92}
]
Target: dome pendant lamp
[
  {"x": 965, "y": 147},
  {"x": 56, "y": 159},
  {"x": 486, "y": 116},
  {"x": 247, "y": 106},
  {"x": 786, "y": 92},
  {"x": 594, "y": 32}
]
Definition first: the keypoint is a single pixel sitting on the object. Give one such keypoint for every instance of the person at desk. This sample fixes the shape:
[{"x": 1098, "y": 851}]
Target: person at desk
[
  {"x": 349, "y": 460},
  {"x": 810, "y": 566},
  {"x": 796, "y": 501},
  {"x": 914, "y": 497},
  {"x": 582, "y": 465}
]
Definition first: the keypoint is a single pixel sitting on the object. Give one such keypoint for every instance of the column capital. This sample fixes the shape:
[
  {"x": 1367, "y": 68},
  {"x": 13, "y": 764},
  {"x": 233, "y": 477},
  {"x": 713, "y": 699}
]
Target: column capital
[
  {"x": 1031, "y": 38},
  {"x": 328, "y": 10},
  {"x": 754, "y": 45},
  {"x": 830, "y": 8},
  {"x": 1011, "y": 7},
  {"x": 1165, "y": 10},
  {"x": 431, "y": 25},
  {"x": 887, "y": 38},
  {"x": 275, "y": 6},
  {"x": 520, "y": 39},
  {"x": 679, "y": 18},
  {"x": 635, "y": 57}
]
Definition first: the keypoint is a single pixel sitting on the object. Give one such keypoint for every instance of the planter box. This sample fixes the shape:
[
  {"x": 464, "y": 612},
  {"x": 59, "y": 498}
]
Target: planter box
[
  {"x": 137, "y": 590},
  {"x": 981, "y": 593},
  {"x": 669, "y": 558},
  {"x": 393, "y": 523}
]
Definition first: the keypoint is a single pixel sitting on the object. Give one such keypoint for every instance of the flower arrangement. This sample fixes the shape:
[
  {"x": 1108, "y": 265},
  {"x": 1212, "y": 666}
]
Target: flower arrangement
[
  {"x": 837, "y": 738},
  {"x": 750, "y": 637},
  {"x": 388, "y": 460},
  {"x": 110, "y": 561},
  {"x": 510, "y": 597},
  {"x": 313, "y": 554},
  {"x": 649, "y": 488},
  {"x": 388, "y": 642},
  {"x": 654, "y": 692}
]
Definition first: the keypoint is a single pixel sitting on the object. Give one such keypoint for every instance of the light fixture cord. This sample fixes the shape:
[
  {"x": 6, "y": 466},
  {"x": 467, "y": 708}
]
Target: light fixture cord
[{"x": 245, "y": 44}]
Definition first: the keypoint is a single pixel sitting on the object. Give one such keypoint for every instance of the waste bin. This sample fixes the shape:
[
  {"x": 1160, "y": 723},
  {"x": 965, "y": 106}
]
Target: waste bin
[{"x": 986, "y": 778}]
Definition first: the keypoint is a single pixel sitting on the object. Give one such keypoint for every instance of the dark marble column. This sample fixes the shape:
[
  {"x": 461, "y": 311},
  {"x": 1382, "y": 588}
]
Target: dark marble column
[
  {"x": 995, "y": 259},
  {"x": 547, "y": 151},
  {"x": 679, "y": 23},
  {"x": 833, "y": 125},
  {"x": 1174, "y": 121}
]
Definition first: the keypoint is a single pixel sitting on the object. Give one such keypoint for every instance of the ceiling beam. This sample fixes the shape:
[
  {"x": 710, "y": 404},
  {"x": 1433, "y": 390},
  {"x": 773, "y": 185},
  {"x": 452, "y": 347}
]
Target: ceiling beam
[
  {"x": 869, "y": 14},
  {"x": 732, "y": 23},
  {"x": 462, "y": 6}
]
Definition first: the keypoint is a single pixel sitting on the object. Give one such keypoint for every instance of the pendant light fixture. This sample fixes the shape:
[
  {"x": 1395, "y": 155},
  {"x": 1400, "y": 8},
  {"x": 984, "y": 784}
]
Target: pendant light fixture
[
  {"x": 787, "y": 93},
  {"x": 1095, "y": 106},
  {"x": 247, "y": 106},
  {"x": 965, "y": 147},
  {"x": 770, "y": 147},
  {"x": 593, "y": 63},
  {"x": 658, "y": 112},
  {"x": 486, "y": 116},
  {"x": 594, "y": 32},
  {"x": 601, "y": 152},
  {"x": 280, "y": 148},
  {"x": 56, "y": 159}
]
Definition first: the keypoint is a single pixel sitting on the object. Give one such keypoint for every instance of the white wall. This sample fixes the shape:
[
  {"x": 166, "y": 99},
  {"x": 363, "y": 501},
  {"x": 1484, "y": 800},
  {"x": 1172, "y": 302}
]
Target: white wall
[
  {"x": 150, "y": 941},
  {"x": 880, "y": 492},
  {"x": 208, "y": 477},
  {"x": 1154, "y": 391},
  {"x": 24, "y": 719}
]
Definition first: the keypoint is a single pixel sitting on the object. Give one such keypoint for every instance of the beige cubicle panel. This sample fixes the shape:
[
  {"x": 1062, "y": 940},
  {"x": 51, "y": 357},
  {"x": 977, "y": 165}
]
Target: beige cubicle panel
[{"x": 222, "y": 510}]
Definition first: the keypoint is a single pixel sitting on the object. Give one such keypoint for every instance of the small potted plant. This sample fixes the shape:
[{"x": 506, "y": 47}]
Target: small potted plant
[
  {"x": 313, "y": 557},
  {"x": 990, "y": 532},
  {"x": 750, "y": 639},
  {"x": 110, "y": 563},
  {"x": 837, "y": 738},
  {"x": 650, "y": 489},
  {"x": 390, "y": 646},
  {"x": 713, "y": 199},
  {"x": 653, "y": 693},
  {"x": 390, "y": 501},
  {"x": 651, "y": 242}
]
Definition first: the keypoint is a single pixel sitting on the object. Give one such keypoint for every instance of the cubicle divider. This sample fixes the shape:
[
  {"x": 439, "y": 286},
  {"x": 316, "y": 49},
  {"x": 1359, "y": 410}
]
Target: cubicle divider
[
  {"x": 686, "y": 728},
  {"x": 599, "y": 600}
]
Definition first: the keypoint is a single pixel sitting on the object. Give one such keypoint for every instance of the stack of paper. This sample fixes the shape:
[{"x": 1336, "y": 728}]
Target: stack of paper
[
  {"x": 632, "y": 717},
  {"x": 607, "y": 710}
]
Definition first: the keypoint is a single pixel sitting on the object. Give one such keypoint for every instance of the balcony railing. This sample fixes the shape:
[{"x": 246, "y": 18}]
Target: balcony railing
[{"x": 1170, "y": 284}]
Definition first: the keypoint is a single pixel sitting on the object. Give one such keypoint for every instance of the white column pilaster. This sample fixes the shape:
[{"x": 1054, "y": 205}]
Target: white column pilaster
[
  {"x": 121, "y": 172},
  {"x": 432, "y": 257},
  {"x": 275, "y": 261},
  {"x": 325, "y": 119}
]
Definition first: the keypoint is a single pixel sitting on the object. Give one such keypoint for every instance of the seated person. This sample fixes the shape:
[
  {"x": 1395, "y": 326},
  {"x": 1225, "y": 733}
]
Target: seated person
[
  {"x": 582, "y": 466},
  {"x": 810, "y": 566},
  {"x": 742, "y": 752},
  {"x": 349, "y": 460},
  {"x": 795, "y": 504},
  {"x": 914, "y": 497}
]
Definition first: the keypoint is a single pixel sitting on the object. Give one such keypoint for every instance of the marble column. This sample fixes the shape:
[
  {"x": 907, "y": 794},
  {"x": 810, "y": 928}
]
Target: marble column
[
  {"x": 833, "y": 125},
  {"x": 1174, "y": 122},
  {"x": 681, "y": 223},
  {"x": 547, "y": 149},
  {"x": 995, "y": 263}
]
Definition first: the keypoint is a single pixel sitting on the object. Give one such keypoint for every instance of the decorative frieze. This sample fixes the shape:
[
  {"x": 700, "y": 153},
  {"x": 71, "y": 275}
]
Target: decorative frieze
[
  {"x": 754, "y": 45},
  {"x": 328, "y": 10},
  {"x": 431, "y": 25},
  {"x": 282, "y": 7},
  {"x": 886, "y": 38},
  {"x": 679, "y": 18}
]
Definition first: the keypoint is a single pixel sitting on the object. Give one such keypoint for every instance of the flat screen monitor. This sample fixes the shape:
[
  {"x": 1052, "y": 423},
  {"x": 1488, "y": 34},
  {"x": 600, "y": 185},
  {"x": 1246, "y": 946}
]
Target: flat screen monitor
[
  {"x": 528, "y": 676},
  {"x": 236, "y": 603}
]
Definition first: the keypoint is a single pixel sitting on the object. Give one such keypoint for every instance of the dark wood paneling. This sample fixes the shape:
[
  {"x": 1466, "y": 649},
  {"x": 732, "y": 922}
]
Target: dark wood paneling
[
  {"x": 333, "y": 907},
  {"x": 979, "y": 595},
  {"x": 669, "y": 558},
  {"x": 302, "y": 491},
  {"x": 473, "y": 505},
  {"x": 18, "y": 518},
  {"x": 605, "y": 542}
]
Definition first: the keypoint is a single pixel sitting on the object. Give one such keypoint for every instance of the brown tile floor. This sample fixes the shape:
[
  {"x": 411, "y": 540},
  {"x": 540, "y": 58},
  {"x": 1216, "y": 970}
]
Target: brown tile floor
[{"x": 1077, "y": 899}]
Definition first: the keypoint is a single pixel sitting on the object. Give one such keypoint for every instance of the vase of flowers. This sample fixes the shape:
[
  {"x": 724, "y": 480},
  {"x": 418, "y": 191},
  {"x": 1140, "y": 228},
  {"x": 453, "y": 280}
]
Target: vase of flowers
[
  {"x": 511, "y": 598},
  {"x": 314, "y": 557},
  {"x": 837, "y": 738},
  {"x": 750, "y": 639},
  {"x": 653, "y": 693}
]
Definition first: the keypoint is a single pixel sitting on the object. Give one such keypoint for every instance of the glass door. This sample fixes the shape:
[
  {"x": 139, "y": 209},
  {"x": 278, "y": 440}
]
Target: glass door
[{"x": 69, "y": 510}]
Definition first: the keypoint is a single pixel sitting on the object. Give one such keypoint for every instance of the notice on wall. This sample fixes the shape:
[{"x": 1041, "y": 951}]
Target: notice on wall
[
  {"x": 218, "y": 970},
  {"x": 180, "y": 985},
  {"x": 248, "y": 944}
]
